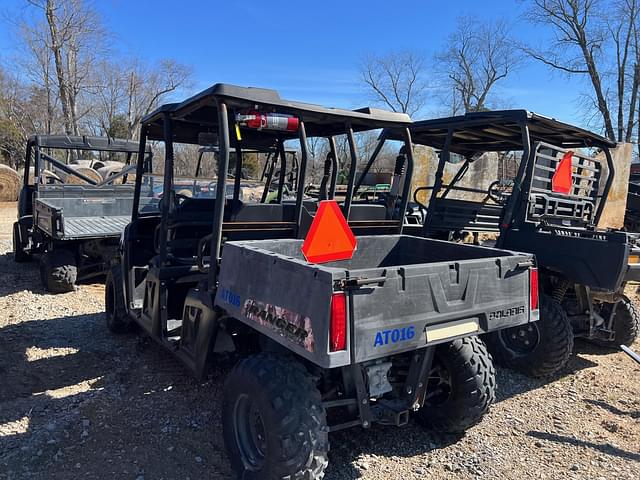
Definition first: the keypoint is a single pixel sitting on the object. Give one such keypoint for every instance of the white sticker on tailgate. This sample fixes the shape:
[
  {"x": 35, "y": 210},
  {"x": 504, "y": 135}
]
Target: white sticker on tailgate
[{"x": 452, "y": 329}]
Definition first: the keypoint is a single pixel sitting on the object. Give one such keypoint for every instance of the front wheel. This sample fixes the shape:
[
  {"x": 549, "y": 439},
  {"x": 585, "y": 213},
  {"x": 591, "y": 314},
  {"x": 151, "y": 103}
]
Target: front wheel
[
  {"x": 460, "y": 387},
  {"x": 537, "y": 349},
  {"x": 273, "y": 421}
]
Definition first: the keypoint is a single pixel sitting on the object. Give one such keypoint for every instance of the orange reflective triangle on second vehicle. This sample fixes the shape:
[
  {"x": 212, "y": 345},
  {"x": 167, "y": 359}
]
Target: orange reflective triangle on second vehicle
[
  {"x": 329, "y": 237},
  {"x": 562, "y": 179}
]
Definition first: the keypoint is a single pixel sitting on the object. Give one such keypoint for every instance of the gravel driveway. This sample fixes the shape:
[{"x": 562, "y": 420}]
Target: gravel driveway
[{"x": 78, "y": 402}]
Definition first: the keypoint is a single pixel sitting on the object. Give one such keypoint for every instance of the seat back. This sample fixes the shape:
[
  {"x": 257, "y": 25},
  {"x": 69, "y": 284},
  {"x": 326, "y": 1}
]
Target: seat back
[{"x": 449, "y": 214}]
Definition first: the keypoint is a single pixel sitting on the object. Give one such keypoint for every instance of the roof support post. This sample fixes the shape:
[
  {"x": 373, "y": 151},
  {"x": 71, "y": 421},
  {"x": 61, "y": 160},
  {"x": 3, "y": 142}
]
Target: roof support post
[
  {"x": 221, "y": 190},
  {"x": 167, "y": 189},
  {"x": 238, "y": 174},
  {"x": 445, "y": 154},
  {"x": 283, "y": 169},
  {"x": 139, "y": 171},
  {"x": 353, "y": 151},
  {"x": 525, "y": 160},
  {"x": 373, "y": 158},
  {"x": 406, "y": 190},
  {"x": 334, "y": 167},
  {"x": 304, "y": 148}
]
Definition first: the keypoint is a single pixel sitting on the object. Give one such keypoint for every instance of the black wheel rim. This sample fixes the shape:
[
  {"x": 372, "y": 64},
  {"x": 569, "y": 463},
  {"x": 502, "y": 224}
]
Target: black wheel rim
[
  {"x": 250, "y": 433},
  {"x": 520, "y": 340},
  {"x": 439, "y": 385}
]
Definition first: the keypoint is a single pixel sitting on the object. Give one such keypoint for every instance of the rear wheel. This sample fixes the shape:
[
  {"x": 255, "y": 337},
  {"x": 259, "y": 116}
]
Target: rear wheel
[
  {"x": 274, "y": 424},
  {"x": 115, "y": 311},
  {"x": 19, "y": 255},
  {"x": 58, "y": 270},
  {"x": 460, "y": 387},
  {"x": 537, "y": 349},
  {"x": 626, "y": 322}
]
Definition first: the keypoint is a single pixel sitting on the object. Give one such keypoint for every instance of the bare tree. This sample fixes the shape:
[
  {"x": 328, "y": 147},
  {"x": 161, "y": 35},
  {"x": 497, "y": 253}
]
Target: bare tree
[
  {"x": 587, "y": 34},
  {"x": 396, "y": 80},
  {"x": 148, "y": 86},
  {"x": 72, "y": 35},
  {"x": 476, "y": 58},
  {"x": 127, "y": 92}
]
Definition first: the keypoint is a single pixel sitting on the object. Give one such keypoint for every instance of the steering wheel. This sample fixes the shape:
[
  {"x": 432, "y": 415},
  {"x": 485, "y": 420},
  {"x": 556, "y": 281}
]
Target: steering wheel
[
  {"x": 180, "y": 198},
  {"x": 500, "y": 190}
]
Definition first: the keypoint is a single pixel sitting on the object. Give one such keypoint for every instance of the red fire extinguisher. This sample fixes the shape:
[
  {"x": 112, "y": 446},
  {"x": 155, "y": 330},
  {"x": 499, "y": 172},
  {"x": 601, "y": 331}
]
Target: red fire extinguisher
[{"x": 268, "y": 121}]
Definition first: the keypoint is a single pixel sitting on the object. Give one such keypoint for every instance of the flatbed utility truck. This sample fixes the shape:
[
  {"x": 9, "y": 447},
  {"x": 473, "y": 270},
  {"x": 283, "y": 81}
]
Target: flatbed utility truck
[{"x": 384, "y": 335}]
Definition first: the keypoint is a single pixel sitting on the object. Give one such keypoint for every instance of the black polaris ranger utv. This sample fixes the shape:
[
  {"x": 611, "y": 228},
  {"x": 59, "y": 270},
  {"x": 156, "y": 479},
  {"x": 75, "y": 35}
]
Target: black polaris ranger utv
[
  {"x": 67, "y": 213},
  {"x": 379, "y": 337},
  {"x": 546, "y": 197}
]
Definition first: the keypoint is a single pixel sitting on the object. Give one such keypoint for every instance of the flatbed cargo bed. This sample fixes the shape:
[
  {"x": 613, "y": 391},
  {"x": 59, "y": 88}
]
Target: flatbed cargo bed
[{"x": 81, "y": 218}]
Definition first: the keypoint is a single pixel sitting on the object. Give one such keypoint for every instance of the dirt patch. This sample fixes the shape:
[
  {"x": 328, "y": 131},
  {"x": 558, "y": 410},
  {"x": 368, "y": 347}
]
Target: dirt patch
[{"x": 79, "y": 402}]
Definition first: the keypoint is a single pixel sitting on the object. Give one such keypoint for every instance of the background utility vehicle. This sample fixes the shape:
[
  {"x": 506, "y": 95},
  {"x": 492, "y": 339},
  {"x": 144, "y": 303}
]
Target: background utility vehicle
[
  {"x": 547, "y": 198},
  {"x": 376, "y": 338},
  {"x": 67, "y": 212},
  {"x": 632, "y": 217}
]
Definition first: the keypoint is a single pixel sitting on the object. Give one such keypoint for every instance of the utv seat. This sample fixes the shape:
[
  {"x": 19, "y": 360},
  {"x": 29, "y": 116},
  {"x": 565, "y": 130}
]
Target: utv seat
[
  {"x": 450, "y": 214},
  {"x": 361, "y": 212},
  {"x": 193, "y": 219}
]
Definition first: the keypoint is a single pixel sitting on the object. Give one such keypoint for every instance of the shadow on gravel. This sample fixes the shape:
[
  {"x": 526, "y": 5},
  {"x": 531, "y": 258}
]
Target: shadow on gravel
[
  {"x": 605, "y": 448},
  {"x": 612, "y": 409},
  {"x": 380, "y": 441},
  {"x": 511, "y": 383},
  {"x": 18, "y": 276},
  {"x": 42, "y": 355},
  {"x": 589, "y": 348},
  {"x": 77, "y": 401}
]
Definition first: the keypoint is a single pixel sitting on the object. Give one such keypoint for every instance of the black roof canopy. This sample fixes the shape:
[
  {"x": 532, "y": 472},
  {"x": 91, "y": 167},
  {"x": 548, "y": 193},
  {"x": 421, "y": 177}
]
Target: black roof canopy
[
  {"x": 500, "y": 130},
  {"x": 199, "y": 114},
  {"x": 85, "y": 142}
]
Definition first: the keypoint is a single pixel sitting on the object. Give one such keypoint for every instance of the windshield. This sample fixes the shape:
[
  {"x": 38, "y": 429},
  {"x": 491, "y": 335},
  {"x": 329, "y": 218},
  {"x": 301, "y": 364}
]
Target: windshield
[{"x": 195, "y": 177}]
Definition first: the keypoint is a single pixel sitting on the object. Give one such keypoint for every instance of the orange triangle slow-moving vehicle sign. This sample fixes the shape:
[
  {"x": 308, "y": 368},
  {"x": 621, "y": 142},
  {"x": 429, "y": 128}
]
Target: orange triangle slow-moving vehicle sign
[
  {"x": 329, "y": 237},
  {"x": 562, "y": 181}
]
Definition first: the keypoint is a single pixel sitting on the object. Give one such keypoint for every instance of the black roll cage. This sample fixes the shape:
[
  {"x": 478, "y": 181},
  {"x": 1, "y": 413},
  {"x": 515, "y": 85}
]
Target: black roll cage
[
  {"x": 213, "y": 112},
  {"x": 36, "y": 143},
  {"x": 497, "y": 131}
]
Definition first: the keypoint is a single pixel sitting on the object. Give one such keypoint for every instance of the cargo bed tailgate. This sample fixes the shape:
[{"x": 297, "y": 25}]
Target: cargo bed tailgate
[{"x": 418, "y": 305}]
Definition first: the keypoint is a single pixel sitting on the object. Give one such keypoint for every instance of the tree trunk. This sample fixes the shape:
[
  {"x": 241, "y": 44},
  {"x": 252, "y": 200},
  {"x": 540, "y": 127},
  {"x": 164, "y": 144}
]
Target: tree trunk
[
  {"x": 632, "y": 103},
  {"x": 56, "y": 49}
]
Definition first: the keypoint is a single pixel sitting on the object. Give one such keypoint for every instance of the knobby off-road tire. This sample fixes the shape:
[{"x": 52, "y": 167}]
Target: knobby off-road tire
[
  {"x": 58, "y": 270},
  {"x": 274, "y": 425},
  {"x": 115, "y": 311},
  {"x": 550, "y": 343},
  {"x": 626, "y": 323},
  {"x": 19, "y": 255},
  {"x": 460, "y": 388}
]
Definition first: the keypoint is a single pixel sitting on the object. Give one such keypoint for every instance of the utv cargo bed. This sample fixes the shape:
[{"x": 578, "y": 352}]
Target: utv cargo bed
[
  {"x": 402, "y": 293},
  {"x": 82, "y": 218}
]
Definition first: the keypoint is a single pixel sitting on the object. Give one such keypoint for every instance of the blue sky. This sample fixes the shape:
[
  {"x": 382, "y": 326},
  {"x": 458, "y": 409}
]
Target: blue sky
[{"x": 310, "y": 51}]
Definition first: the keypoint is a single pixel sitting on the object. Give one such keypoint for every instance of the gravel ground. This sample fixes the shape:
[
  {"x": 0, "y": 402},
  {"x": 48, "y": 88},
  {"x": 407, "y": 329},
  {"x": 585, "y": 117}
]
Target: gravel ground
[{"x": 78, "y": 402}]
